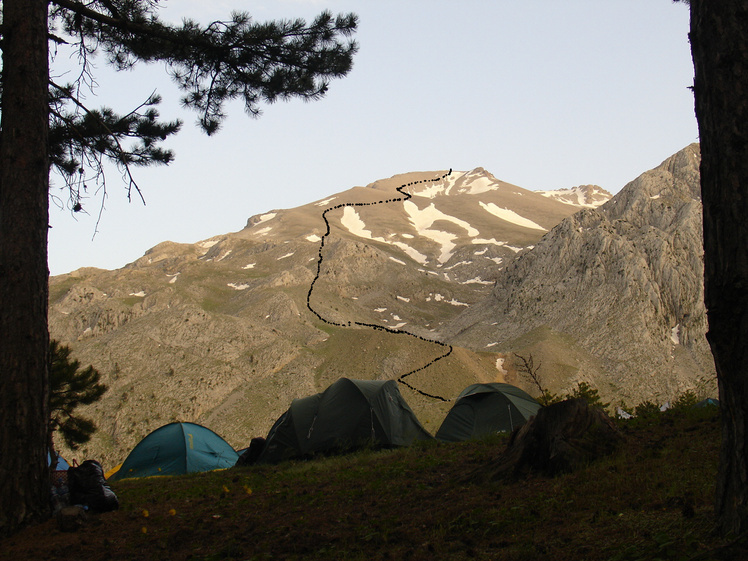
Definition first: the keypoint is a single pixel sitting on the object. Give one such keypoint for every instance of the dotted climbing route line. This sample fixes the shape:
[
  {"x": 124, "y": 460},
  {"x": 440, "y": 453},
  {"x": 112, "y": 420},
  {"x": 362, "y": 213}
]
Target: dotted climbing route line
[{"x": 447, "y": 349}]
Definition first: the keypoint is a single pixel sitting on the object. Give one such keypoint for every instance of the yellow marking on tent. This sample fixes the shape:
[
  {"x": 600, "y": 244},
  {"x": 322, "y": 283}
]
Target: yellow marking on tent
[
  {"x": 112, "y": 471},
  {"x": 191, "y": 444}
]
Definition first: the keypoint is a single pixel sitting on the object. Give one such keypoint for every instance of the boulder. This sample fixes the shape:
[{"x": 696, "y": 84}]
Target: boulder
[{"x": 560, "y": 439}]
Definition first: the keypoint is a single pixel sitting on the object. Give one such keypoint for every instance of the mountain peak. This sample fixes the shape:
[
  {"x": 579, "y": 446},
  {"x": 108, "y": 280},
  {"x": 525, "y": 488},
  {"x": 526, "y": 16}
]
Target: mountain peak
[{"x": 584, "y": 196}]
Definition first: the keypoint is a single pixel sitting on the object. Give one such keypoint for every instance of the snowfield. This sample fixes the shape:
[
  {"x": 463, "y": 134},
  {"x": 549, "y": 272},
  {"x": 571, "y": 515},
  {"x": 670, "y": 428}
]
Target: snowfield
[{"x": 511, "y": 216}]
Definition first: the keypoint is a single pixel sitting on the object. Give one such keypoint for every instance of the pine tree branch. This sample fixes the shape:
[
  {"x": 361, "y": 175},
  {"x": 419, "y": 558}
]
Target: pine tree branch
[
  {"x": 113, "y": 21},
  {"x": 131, "y": 180}
]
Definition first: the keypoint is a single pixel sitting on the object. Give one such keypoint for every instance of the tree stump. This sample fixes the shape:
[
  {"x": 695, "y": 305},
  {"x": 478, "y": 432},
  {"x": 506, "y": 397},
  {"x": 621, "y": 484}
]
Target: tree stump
[{"x": 560, "y": 439}]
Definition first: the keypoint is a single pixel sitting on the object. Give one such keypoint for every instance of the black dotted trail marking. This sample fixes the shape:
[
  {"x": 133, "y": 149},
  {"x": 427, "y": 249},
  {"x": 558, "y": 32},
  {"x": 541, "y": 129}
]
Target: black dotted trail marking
[{"x": 446, "y": 348}]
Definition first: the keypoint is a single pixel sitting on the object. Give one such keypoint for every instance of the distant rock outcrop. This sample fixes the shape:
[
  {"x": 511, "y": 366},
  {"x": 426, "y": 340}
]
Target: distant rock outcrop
[{"x": 622, "y": 285}]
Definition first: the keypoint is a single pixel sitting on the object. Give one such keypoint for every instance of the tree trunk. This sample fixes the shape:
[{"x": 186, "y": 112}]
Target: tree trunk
[
  {"x": 719, "y": 44},
  {"x": 24, "y": 339}
]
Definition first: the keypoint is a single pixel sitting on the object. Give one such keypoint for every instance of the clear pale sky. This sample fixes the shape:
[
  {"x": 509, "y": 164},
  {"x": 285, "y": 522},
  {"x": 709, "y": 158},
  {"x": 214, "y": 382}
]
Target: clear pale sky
[{"x": 541, "y": 93}]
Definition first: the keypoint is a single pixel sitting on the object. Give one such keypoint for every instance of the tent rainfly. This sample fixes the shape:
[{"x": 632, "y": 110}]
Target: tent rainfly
[
  {"x": 349, "y": 414},
  {"x": 483, "y": 409},
  {"x": 176, "y": 449},
  {"x": 708, "y": 402}
]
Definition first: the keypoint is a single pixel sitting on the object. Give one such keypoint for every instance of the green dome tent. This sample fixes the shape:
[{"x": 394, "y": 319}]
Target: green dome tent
[
  {"x": 176, "y": 449},
  {"x": 483, "y": 409},
  {"x": 349, "y": 414}
]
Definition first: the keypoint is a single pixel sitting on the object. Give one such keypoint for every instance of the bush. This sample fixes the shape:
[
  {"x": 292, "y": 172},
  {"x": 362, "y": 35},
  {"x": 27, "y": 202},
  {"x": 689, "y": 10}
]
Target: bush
[
  {"x": 589, "y": 394},
  {"x": 686, "y": 400},
  {"x": 546, "y": 398},
  {"x": 647, "y": 410}
]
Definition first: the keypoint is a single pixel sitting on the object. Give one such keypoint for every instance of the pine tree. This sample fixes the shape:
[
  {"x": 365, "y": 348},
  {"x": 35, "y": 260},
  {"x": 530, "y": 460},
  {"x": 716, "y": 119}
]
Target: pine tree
[
  {"x": 47, "y": 126},
  {"x": 71, "y": 386}
]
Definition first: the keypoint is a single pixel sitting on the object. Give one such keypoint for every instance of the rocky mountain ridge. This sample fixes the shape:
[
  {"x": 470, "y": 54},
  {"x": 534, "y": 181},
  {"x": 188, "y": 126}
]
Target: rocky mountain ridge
[{"x": 621, "y": 285}]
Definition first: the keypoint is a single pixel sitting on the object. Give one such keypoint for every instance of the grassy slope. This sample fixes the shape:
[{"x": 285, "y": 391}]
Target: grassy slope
[{"x": 651, "y": 500}]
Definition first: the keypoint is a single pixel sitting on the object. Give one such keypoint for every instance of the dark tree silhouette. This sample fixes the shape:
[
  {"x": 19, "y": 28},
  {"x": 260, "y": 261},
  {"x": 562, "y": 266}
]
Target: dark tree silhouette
[
  {"x": 71, "y": 386},
  {"x": 47, "y": 125}
]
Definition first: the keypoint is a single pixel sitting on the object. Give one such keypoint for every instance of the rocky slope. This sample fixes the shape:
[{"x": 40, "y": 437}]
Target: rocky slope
[
  {"x": 226, "y": 332},
  {"x": 612, "y": 296}
]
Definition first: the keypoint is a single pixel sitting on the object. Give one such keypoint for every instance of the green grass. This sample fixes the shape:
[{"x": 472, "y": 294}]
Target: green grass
[{"x": 650, "y": 500}]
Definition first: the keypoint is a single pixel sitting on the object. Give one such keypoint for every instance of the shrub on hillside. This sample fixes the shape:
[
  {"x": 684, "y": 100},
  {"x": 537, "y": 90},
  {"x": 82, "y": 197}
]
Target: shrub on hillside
[{"x": 589, "y": 394}]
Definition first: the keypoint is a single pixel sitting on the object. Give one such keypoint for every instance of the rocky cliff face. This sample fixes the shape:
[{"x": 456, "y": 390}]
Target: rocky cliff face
[
  {"x": 612, "y": 296},
  {"x": 220, "y": 332}
]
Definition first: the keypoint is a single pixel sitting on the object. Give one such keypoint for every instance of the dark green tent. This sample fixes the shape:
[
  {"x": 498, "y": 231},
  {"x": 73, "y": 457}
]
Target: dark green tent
[
  {"x": 349, "y": 414},
  {"x": 176, "y": 449},
  {"x": 483, "y": 409}
]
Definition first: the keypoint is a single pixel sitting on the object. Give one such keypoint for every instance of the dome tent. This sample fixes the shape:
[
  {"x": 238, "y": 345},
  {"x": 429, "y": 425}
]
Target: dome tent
[
  {"x": 176, "y": 449},
  {"x": 483, "y": 409},
  {"x": 349, "y": 414}
]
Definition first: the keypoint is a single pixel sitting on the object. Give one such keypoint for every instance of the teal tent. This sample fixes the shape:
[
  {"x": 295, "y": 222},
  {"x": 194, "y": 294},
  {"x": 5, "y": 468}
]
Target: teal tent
[
  {"x": 175, "y": 449},
  {"x": 483, "y": 409},
  {"x": 61, "y": 465},
  {"x": 349, "y": 414}
]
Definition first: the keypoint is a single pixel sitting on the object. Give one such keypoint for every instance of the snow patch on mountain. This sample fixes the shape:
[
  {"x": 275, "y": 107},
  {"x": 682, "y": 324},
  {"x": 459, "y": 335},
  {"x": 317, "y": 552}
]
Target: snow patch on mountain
[
  {"x": 351, "y": 220},
  {"x": 510, "y": 216},
  {"x": 422, "y": 220},
  {"x": 414, "y": 254},
  {"x": 476, "y": 280},
  {"x": 436, "y": 297},
  {"x": 675, "y": 334},
  {"x": 431, "y": 191},
  {"x": 480, "y": 181},
  {"x": 493, "y": 241},
  {"x": 265, "y": 217},
  {"x": 500, "y": 365}
]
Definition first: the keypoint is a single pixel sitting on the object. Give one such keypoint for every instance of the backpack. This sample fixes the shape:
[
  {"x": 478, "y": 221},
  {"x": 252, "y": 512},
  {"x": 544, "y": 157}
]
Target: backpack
[{"x": 88, "y": 487}]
